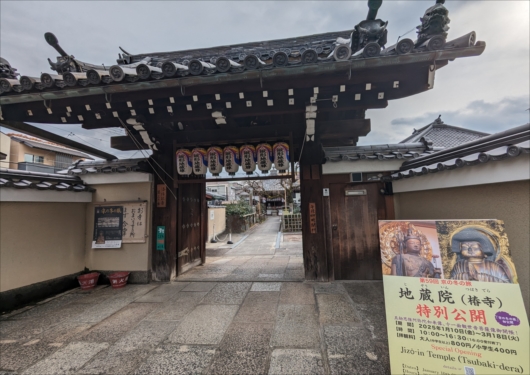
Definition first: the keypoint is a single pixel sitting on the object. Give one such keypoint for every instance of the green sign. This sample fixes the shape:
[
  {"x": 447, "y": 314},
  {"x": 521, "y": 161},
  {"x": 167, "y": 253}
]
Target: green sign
[{"x": 160, "y": 238}]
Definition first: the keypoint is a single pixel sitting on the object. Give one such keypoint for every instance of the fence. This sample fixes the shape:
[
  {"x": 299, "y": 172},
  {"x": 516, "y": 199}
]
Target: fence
[{"x": 292, "y": 223}]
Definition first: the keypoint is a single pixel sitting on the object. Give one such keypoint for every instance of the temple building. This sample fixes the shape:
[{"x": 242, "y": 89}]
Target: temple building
[{"x": 296, "y": 105}]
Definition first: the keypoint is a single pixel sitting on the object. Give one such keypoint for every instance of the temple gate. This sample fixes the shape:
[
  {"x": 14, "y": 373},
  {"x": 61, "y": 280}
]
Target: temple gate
[{"x": 308, "y": 92}]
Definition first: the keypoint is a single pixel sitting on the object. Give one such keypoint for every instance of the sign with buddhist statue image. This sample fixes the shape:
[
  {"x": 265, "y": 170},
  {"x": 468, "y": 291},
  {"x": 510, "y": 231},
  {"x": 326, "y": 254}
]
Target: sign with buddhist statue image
[{"x": 453, "y": 303}]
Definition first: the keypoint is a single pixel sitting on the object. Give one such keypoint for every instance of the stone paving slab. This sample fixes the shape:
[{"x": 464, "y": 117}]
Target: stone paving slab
[
  {"x": 67, "y": 359},
  {"x": 198, "y": 287},
  {"x": 50, "y": 307},
  {"x": 296, "y": 326},
  {"x": 297, "y": 294},
  {"x": 114, "y": 362},
  {"x": 65, "y": 332},
  {"x": 266, "y": 287},
  {"x": 112, "y": 328},
  {"x": 227, "y": 293},
  {"x": 244, "y": 350},
  {"x": 329, "y": 288},
  {"x": 178, "y": 309},
  {"x": 350, "y": 350},
  {"x": 205, "y": 325},
  {"x": 132, "y": 349},
  {"x": 296, "y": 362},
  {"x": 363, "y": 292},
  {"x": 171, "y": 359},
  {"x": 336, "y": 309},
  {"x": 259, "y": 307},
  {"x": 16, "y": 356},
  {"x": 164, "y": 293}
]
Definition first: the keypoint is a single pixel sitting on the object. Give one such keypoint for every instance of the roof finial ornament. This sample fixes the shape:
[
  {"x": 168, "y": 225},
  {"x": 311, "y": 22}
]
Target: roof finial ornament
[
  {"x": 371, "y": 34},
  {"x": 433, "y": 28}
]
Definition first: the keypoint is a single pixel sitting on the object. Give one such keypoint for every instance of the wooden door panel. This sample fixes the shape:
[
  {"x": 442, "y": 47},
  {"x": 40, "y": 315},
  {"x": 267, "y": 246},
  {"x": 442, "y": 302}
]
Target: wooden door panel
[
  {"x": 190, "y": 226},
  {"x": 355, "y": 240}
]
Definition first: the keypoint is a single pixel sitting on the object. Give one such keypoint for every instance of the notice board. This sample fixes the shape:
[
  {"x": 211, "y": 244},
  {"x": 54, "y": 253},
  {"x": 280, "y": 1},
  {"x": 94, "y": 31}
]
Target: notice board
[
  {"x": 117, "y": 223},
  {"x": 453, "y": 304}
]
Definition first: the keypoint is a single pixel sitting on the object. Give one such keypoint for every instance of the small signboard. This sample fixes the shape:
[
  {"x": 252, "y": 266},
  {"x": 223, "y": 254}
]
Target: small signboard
[
  {"x": 108, "y": 223},
  {"x": 452, "y": 301},
  {"x": 161, "y": 238},
  {"x": 312, "y": 218},
  {"x": 161, "y": 196}
]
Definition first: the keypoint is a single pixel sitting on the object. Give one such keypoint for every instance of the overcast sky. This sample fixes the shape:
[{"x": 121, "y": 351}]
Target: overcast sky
[{"x": 488, "y": 93}]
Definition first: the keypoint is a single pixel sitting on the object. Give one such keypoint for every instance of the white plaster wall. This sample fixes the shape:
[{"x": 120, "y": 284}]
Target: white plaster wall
[
  {"x": 131, "y": 256},
  {"x": 40, "y": 241}
]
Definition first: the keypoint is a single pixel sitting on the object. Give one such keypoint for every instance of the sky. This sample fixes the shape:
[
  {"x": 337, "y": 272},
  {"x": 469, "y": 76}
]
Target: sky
[{"x": 489, "y": 93}]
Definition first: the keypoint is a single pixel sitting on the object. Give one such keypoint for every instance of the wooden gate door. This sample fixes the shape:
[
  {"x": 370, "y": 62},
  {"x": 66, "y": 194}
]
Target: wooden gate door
[
  {"x": 190, "y": 237},
  {"x": 355, "y": 234}
]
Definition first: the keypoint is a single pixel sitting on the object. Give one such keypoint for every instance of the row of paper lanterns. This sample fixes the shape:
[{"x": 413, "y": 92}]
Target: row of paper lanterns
[{"x": 200, "y": 160}]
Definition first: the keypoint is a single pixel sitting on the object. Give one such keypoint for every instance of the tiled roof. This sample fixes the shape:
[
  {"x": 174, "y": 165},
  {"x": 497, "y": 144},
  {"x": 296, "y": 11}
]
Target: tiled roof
[
  {"x": 48, "y": 146},
  {"x": 103, "y": 166},
  {"x": 402, "y": 151},
  {"x": 284, "y": 53},
  {"x": 14, "y": 178},
  {"x": 443, "y": 135},
  {"x": 500, "y": 146}
]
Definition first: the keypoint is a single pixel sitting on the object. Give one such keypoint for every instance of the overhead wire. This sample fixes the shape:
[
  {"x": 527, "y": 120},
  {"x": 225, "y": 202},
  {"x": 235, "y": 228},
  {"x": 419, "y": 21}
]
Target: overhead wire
[{"x": 136, "y": 143}]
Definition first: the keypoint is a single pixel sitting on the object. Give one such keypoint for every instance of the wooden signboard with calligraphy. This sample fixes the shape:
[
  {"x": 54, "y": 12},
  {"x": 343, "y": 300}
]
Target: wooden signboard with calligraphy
[
  {"x": 134, "y": 222},
  {"x": 312, "y": 218},
  {"x": 161, "y": 196}
]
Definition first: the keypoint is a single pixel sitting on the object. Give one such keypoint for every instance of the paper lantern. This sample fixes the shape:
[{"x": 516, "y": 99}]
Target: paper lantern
[
  {"x": 248, "y": 159},
  {"x": 215, "y": 160},
  {"x": 184, "y": 162},
  {"x": 264, "y": 156},
  {"x": 231, "y": 159},
  {"x": 199, "y": 161},
  {"x": 281, "y": 156}
]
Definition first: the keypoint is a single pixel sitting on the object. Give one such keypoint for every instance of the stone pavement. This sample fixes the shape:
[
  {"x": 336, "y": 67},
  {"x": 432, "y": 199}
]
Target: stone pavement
[
  {"x": 254, "y": 258},
  {"x": 246, "y": 311},
  {"x": 201, "y": 328}
]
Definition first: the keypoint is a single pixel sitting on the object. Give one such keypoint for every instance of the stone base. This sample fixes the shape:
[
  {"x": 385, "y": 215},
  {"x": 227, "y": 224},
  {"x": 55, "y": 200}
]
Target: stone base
[
  {"x": 136, "y": 277},
  {"x": 14, "y": 298}
]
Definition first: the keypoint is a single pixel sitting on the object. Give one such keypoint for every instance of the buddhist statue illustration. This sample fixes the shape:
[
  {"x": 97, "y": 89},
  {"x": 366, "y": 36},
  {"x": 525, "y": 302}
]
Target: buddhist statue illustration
[
  {"x": 474, "y": 249},
  {"x": 409, "y": 261}
]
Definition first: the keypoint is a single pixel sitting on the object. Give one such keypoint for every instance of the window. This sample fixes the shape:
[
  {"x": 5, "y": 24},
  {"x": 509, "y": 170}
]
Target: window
[{"x": 28, "y": 158}]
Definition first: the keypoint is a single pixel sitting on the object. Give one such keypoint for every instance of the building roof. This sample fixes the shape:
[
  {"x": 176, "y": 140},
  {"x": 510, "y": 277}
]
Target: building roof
[
  {"x": 499, "y": 146},
  {"x": 443, "y": 135},
  {"x": 14, "y": 178},
  {"x": 104, "y": 166},
  {"x": 45, "y": 145},
  {"x": 403, "y": 151},
  {"x": 317, "y": 49}
]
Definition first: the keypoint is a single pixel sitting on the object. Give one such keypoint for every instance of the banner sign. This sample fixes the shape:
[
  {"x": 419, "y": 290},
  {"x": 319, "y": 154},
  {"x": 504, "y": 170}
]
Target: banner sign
[
  {"x": 108, "y": 223},
  {"x": 453, "y": 305}
]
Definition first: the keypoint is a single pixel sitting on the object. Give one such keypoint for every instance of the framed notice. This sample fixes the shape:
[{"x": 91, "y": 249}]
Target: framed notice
[
  {"x": 134, "y": 222},
  {"x": 453, "y": 304},
  {"x": 121, "y": 223},
  {"x": 108, "y": 224}
]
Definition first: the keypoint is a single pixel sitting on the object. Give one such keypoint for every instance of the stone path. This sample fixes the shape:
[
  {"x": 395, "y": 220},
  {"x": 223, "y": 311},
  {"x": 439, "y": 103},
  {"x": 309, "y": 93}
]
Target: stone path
[
  {"x": 255, "y": 258},
  {"x": 246, "y": 311},
  {"x": 201, "y": 328}
]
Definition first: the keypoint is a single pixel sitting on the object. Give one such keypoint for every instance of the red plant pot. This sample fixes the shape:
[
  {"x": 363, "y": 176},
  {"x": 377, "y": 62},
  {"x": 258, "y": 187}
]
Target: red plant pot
[
  {"x": 119, "y": 279},
  {"x": 88, "y": 281}
]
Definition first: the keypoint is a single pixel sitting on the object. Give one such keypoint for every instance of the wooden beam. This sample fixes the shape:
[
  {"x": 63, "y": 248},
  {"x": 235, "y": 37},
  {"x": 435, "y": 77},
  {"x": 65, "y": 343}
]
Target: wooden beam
[
  {"x": 52, "y": 137},
  {"x": 125, "y": 143}
]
